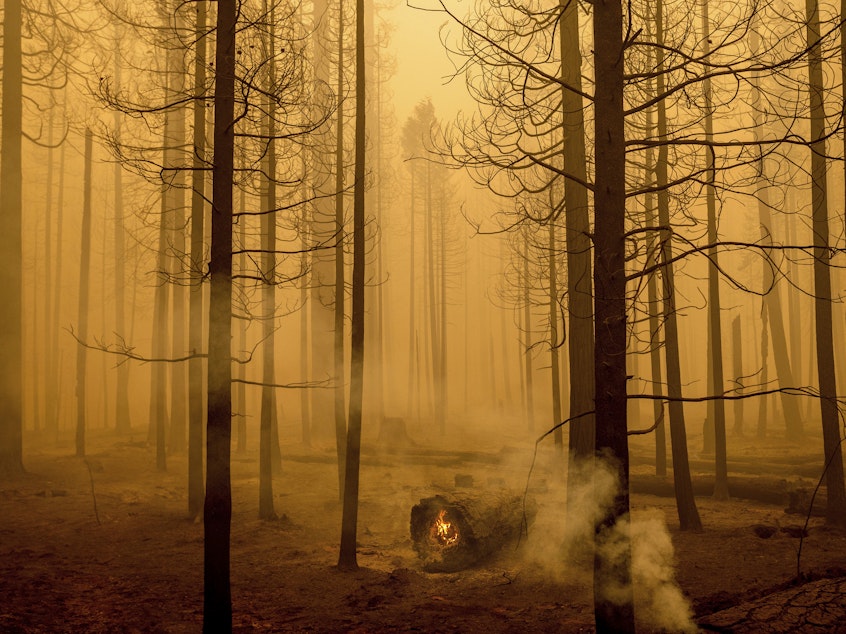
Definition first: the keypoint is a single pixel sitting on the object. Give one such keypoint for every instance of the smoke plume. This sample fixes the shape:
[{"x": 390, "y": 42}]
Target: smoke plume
[{"x": 561, "y": 545}]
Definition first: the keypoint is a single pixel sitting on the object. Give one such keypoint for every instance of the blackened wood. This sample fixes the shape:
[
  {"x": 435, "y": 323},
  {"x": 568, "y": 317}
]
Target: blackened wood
[{"x": 481, "y": 524}]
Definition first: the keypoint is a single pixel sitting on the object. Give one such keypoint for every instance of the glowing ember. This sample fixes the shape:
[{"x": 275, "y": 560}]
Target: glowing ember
[{"x": 445, "y": 532}]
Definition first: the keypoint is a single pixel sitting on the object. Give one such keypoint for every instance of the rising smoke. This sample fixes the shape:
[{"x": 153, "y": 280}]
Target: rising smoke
[{"x": 561, "y": 545}]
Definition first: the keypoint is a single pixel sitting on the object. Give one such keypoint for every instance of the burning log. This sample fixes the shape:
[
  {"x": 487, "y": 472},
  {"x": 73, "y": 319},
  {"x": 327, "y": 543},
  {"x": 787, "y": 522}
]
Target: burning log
[{"x": 453, "y": 533}]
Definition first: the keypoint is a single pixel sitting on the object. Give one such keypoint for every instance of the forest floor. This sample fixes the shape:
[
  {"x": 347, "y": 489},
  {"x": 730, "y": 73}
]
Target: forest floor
[{"x": 139, "y": 568}]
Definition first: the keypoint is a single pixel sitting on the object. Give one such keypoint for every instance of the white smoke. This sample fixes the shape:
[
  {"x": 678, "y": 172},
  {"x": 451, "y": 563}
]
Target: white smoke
[
  {"x": 659, "y": 602},
  {"x": 561, "y": 541}
]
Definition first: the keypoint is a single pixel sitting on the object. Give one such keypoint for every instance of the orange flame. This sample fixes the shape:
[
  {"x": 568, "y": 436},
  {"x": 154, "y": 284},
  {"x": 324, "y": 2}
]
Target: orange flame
[{"x": 445, "y": 532}]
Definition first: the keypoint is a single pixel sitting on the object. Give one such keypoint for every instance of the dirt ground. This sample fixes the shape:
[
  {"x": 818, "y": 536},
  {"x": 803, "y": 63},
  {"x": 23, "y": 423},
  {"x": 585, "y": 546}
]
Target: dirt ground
[{"x": 139, "y": 569}]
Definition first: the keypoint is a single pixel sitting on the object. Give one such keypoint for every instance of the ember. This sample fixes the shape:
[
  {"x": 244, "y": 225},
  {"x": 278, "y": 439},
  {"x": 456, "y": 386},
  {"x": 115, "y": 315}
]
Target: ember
[
  {"x": 444, "y": 532},
  {"x": 454, "y": 532}
]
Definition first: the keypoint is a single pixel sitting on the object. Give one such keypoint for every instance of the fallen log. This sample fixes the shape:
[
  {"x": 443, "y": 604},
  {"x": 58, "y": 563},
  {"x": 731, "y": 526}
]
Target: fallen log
[
  {"x": 452, "y": 532},
  {"x": 804, "y": 466},
  {"x": 794, "y": 497}
]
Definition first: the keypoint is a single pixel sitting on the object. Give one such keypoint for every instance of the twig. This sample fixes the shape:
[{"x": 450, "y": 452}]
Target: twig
[
  {"x": 323, "y": 384},
  {"x": 834, "y": 452},
  {"x": 126, "y": 352},
  {"x": 524, "y": 524},
  {"x": 727, "y": 396}
]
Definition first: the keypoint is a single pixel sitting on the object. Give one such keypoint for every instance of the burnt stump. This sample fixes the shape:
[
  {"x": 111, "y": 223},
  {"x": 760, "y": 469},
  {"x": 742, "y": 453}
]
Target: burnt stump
[{"x": 454, "y": 532}]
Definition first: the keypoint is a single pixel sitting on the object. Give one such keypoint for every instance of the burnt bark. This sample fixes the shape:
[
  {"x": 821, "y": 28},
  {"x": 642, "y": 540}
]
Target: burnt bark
[
  {"x": 686, "y": 505},
  {"x": 558, "y": 435},
  {"x": 347, "y": 559},
  {"x": 198, "y": 263},
  {"x": 577, "y": 229},
  {"x": 268, "y": 291},
  {"x": 340, "y": 277},
  {"x": 455, "y": 532},
  {"x": 217, "y": 511},
  {"x": 836, "y": 507},
  {"x": 11, "y": 270},
  {"x": 322, "y": 229},
  {"x": 654, "y": 323},
  {"x": 123, "y": 424},
  {"x": 84, "y": 281},
  {"x": 737, "y": 370},
  {"x": 527, "y": 341},
  {"x": 613, "y": 596},
  {"x": 717, "y": 409},
  {"x": 774, "y": 319},
  {"x": 176, "y": 194}
]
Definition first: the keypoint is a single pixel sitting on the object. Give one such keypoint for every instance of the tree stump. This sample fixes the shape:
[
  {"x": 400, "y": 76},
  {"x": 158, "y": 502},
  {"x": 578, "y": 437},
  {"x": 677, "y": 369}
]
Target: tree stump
[
  {"x": 454, "y": 532},
  {"x": 393, "y": 435}
]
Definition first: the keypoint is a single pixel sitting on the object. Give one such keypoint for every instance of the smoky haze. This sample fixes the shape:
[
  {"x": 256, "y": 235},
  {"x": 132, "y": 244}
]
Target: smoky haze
[{"x": 703, "y": 472}]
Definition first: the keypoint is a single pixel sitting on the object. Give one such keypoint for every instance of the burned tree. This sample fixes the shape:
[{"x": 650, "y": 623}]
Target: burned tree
[
  {"x": 347, "y": 559},
  {"x": 217, "y": 510},
  {"x": 11, "y": 393},
  {"x": 836, "y": 505},
  {"x": 84, "y": 276}
]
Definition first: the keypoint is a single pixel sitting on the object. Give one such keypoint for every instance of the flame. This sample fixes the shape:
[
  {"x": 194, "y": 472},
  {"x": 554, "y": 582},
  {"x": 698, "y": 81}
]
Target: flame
[{"x": 445, "y": 532}]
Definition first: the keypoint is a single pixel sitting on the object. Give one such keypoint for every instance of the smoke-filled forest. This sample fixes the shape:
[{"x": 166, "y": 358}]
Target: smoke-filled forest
[{"x": 432, "y": 316}]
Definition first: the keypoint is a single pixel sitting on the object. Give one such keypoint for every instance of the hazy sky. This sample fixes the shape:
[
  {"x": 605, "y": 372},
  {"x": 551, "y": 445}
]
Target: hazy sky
[{"x": 423, "y": 67}]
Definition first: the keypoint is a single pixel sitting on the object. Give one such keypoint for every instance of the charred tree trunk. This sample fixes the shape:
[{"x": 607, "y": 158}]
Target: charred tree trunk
[
  {"x": 50, "y": 354},
  {"x": 441, "y": 378},
  {"x": 11, "y": 252},
  {"x": 381, "y": 328},
  {"x": 466, "y": 330},
  {"x": 82, "y": 314},
  {"x": 241, "y": 372},
  {"x": 505, "y": 364},
  {"x": 715, "y": 330},
  {"x": 527, "y": 330},
  {"x": 178, "y": 382},
  {"x": 217, "y": 511},
  {"x": 737, "y": 370},
  {"x": 432, "y": 308},
  {"x": 654, "y": 306},
  {"x": 836, "y": 505},
  {"x": 772, "y": 297},
  {"x": 123, "y": 423},
  {"x": 198, "y": 265},
  {"x": 688, "y": 513},
  {"x": 413, "y": 386},
  {"x": 655, "y": 365},
  {"x": 552, "y": 301},
  {"x": 612, "y": 583},
  {"x": 305, "y": 277},
  {"x": 268, "y": 261},
  {"x": 305, "y": 264},
  {"x": 577, "y": 230},
  {"x": 577, "y": 223},
  {"x": 158, "y": 379},
  {"x": 54, "y": 375},
  {"x": 323, "y": 232},
  {"x": 794, "y": 303},
  {"x": 347, "y": 559},
  {"x": 763, "y": 415},
  {"x": 340, "y": 282},
  {"x": 176, "y": 195}
]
